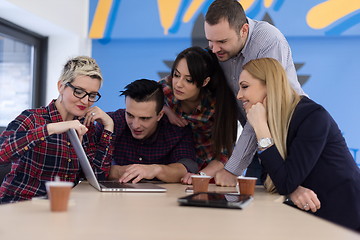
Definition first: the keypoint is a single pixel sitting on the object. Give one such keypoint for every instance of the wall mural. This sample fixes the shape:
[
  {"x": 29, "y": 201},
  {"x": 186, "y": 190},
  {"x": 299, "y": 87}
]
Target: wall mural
[{"x": 140, "y": 39}]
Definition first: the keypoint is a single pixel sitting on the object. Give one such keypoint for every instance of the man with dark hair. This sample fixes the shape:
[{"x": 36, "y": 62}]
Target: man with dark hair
[
  {"x": 147, "y": 145},
  {"x": 236, "y": 39}
]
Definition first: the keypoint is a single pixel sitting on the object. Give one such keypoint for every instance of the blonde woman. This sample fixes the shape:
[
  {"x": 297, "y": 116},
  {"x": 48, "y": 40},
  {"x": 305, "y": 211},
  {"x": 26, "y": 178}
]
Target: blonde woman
[
  {"x": 300, "y": 145},
  {"x": 36, "y": 142}
]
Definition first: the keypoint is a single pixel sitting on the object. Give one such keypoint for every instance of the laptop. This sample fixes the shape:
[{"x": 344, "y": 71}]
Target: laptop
[{"x": 106, "y": 186}]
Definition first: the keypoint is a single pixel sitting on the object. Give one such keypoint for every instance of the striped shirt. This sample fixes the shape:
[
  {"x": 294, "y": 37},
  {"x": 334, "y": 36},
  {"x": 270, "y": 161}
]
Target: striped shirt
[
  {"x": 201, "y": 121},
  {"x": 168, "y": 144},
  {"x": 264, "y": 40},
  {"x": 38, "y": 157}
]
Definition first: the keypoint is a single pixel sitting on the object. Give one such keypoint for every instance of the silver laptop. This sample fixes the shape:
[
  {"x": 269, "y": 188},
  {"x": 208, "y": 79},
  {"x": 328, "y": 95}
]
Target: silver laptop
[{"x": 106, "y": 186}]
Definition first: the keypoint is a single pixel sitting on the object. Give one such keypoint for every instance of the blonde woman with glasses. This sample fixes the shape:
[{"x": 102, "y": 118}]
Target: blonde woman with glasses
[
  {"x": 300, "y": 145},
  {"x": 36, "y": 142}
]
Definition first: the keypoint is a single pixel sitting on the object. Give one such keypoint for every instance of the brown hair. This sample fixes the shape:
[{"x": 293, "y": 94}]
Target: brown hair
[{"x": 229, "y": 10}]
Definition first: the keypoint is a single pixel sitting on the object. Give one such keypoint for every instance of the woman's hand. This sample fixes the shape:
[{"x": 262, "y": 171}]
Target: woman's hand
[
  {"x": 257, "y": 118},
  {"x": 187, "y": 178},
  {"x": 96, "y": 114},
  {"x": 61, "y": 127},
  {"x": 256, "y": 115},
  {"x": 305, "y": 199},
  {"x": 173, "y": 118}
]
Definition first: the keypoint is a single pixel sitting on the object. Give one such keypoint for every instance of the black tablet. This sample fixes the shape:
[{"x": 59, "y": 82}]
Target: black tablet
[{"x": 219, "y": 200}]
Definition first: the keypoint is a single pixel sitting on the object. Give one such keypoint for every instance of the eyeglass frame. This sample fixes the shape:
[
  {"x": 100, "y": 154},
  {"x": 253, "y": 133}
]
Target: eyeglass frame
[{"x": 68, "y": 84}]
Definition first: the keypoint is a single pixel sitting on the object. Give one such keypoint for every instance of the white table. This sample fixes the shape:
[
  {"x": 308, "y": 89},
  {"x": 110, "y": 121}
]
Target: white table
[{"x": 146, "y": 216}]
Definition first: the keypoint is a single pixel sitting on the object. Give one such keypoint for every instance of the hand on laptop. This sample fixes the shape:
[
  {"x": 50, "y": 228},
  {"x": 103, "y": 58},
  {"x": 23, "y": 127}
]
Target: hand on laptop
[
  {"x": 172, "y": 172},
  {"x": 134, "y": 172},
  {"x": 116, "y": 171},
  {"x": 61, "y": 127}
]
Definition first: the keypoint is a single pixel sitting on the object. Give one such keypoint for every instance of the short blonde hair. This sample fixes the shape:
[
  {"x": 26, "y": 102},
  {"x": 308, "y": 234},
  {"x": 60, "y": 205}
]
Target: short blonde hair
[
  {"x": 80, "y": 66},
  {"x": 281, "y": 101}
]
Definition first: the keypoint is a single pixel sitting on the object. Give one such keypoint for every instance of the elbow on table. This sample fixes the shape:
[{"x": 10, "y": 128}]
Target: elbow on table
[{"x": 285, "y": 188}]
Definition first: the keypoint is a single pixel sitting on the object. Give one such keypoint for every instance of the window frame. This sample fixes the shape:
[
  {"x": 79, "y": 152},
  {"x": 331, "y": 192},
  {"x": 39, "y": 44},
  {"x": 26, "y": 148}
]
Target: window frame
[{"x": 40, "y": 44}]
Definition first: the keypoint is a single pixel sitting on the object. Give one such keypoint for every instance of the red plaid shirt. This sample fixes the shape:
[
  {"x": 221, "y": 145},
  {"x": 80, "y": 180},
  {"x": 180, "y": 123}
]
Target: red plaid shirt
[
  {"x": 38, "y": 157},
  {"x": 200, "y": 120}
]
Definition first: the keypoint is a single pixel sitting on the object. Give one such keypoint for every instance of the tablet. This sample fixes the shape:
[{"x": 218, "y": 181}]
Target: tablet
[{"x": 218, "y": 200}]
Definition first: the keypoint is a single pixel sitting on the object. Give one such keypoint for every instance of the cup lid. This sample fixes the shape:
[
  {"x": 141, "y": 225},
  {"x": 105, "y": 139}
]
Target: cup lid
[
  {"x": 200, "y": 176},
  {"x": 59, "y": 184},
  {"x": 249, "y": 178}
]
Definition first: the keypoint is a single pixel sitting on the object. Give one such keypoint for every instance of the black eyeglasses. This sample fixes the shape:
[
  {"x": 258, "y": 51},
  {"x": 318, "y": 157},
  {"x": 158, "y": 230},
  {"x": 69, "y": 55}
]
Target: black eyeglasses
[{"x": 80, "y": 93}]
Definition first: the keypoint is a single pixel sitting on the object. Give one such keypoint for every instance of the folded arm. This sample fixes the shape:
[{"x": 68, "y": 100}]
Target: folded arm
[{"x": 243, "y": 152}]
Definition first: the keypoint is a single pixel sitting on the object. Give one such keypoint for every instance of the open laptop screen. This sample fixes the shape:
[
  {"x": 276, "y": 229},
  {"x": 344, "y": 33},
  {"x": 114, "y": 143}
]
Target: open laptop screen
[{"x": 106, "y": 186}]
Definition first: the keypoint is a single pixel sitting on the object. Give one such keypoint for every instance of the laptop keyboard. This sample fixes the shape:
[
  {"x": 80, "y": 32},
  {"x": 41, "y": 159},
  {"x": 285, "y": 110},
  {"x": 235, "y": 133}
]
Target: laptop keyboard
[{"x": 116, "y": 185}]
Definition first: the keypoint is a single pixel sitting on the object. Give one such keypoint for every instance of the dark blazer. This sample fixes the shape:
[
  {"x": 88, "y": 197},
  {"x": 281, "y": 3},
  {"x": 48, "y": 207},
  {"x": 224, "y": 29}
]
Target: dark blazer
[{"x": 319, "y": 159}]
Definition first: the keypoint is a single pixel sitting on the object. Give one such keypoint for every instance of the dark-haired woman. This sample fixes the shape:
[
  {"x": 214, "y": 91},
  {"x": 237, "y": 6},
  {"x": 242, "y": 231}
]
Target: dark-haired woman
[{"x": 197, "y": 94}]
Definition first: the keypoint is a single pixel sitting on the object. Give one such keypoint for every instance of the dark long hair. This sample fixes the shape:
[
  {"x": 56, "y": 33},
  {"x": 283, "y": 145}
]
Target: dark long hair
[{"x": 202, "y": 63}]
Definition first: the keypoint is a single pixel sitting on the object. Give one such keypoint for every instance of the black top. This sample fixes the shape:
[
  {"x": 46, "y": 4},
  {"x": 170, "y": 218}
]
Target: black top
[{"x": 319, "y": 159}]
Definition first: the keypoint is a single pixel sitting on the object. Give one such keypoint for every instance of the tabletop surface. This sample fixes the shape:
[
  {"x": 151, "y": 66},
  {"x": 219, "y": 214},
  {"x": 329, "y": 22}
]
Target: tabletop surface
[{"x": 111, "y": 215}]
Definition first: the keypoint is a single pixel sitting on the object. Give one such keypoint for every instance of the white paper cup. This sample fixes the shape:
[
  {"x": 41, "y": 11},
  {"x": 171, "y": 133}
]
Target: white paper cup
[
  {"x": 200, "y": 183},
  {"x": 59, "y": 193},
  {"x": 246, "y": 185}
]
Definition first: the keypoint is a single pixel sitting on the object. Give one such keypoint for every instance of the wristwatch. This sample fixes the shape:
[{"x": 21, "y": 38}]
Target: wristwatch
[
  {"x": 202, "y": 174},
  {"x": 265, "y": 143}
]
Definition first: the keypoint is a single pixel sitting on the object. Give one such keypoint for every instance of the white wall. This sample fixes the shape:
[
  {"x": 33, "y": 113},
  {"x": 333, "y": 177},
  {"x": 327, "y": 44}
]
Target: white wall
[{"x": 64, "y": 22}]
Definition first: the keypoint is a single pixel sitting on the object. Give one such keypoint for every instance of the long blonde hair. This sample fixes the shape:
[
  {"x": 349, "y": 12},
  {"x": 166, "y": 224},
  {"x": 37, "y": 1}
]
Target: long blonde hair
[{"x": 281, "y": 101}]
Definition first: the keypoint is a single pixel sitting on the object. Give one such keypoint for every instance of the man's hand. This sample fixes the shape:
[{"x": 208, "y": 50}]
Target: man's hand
[
  {"x": 138, "y": 172},
  {"x": 305, "y": 198},
  {"x": 116, "y": 171},
  {"x": 225, "y": 179}
]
